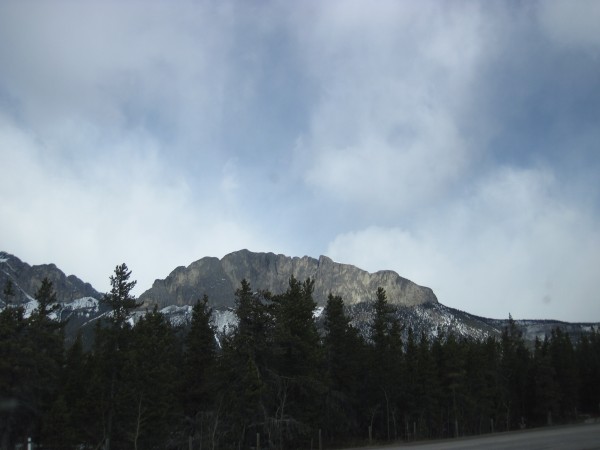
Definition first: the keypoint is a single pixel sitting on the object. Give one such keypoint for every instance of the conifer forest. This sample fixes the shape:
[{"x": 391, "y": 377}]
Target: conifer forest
[{"x": 280, "y": 379}]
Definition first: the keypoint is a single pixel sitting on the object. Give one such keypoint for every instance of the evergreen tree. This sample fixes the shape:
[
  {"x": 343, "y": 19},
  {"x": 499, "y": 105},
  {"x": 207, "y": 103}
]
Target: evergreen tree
[
  {"x": 8, "y": 292},
  {"x": 15, "y": 372},
  {"x": 343, "y": 350},
  {"x": 199, "y": 358},
  {"x": 453, "y": 385},
  {"x": 31, "y": 352},
  {"x": 386, "y": 375},
  {"x": 565, "y": 366},
  {"x": 46, "y": 298},
  {"x": 150, "y": 404},
  {"x": 78, "y": 398},
  {"x": 546, "y": 390},
  {"x": 46, "y": 338},
  {"x": 427, "y": 389},
  {"x": 412, "y": 399},
  {"x": 298, "y": 362},
  {"x": 110, "y": 350},
  {"x": 480, "y": 394},
  {"x": 120, "y": 299},
  {"x": 588, "y": 362},
  {"x": 243, "y": 405},
  {"x": 514, "y": 369}
]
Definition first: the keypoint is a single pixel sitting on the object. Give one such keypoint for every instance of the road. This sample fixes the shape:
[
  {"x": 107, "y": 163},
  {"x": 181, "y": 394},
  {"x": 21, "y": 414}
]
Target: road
[{"x": 578, "y": 437}]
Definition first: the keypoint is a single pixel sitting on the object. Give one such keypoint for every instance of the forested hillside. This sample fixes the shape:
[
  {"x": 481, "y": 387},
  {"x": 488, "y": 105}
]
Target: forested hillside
[{"x": 277, "y": 379}]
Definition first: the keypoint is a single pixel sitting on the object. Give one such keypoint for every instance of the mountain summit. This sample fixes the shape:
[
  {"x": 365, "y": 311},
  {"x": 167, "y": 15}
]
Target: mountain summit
[
  {"x": 416, "y": 306},
  {"x": 27, "y": 280},
  {"x": 219, "y": 278}
]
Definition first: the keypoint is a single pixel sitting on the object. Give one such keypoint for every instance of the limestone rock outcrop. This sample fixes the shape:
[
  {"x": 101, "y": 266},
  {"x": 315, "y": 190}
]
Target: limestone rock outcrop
[
  {"x": 27, "y": 280},
  {"x": 267, "y": 271}
]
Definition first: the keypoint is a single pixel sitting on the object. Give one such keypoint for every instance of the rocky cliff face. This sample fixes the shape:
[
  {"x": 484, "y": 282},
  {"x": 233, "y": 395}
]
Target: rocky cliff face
[
  {"x": 266, "y": 271},
  {"x": 417, "y": 306},
  {"x": 27, "y": 280}
]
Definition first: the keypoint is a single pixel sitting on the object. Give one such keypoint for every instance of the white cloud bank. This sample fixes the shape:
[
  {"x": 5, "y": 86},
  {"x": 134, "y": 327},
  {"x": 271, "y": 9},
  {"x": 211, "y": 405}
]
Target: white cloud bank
[
  {"x": 512, "y": 246},
  {"x": 123, "y": 208},
  {"x": 454, "y": 142}
]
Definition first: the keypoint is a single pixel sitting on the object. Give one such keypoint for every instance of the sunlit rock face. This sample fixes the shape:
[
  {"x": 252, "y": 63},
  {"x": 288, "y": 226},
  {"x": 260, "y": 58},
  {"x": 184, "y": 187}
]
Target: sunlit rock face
[{"x": 267, "y": 271}]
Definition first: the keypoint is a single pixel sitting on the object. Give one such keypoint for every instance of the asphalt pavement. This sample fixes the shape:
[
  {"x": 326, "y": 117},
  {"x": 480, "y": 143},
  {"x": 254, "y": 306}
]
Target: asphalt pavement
[{"x": 577, "y": 437}]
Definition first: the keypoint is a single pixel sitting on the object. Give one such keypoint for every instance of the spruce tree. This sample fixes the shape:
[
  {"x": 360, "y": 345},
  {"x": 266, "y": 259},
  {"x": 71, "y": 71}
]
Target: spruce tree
[
  {"x": 46, "y": 338},
  {"x": 427, "y": 389},
  {"x": 15, "y": 373},
  {"x": 149, "y": 390},
  {"x": 588, "y": 362},
  {"x": 565, "y": 365},
  {"x": 199, "y": 359},
  {"x": 120, "y": 299},
  {"x": 343, "y": 350},
  {"x": 79, "y": 399},
  {"x": 298, "y": 361},
  {"x": 545, "y": 386},
  {"x": 46, "y": 298},
  {"x": 110, "y": 350},
  {"x": 8, "y": 292},
  {"x": 242, "y": 405},
  {"x": 514, "y": 369},
  {"x": 386, "y": 376}
]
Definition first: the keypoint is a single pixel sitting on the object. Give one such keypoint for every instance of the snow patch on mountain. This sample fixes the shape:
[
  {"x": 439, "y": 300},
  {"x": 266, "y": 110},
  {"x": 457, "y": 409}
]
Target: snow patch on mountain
[
  {"x": 29, "y": 307},
  {"x": 318, "y": 311},
  {"x": 224, "y": 320},
  {"x": 82, "y": 303},
  {"x": 178, "y": 315}
]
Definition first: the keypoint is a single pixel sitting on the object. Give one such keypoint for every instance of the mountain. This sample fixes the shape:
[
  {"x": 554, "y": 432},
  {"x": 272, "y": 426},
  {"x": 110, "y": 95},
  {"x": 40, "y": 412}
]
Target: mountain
[
  {"x": 267, "y": 271},
  {"x": 27, "y": 280},
  {"x": 416, "y": 306},
  {"x": 79, "y": 302}
]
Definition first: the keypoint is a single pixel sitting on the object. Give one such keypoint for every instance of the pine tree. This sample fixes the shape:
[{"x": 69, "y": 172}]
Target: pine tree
[
  {"x": 386, "y": 376},
  {"x": 46, "y": 298},
  {"x": 243, "y": 405},
  {"x": 149, "y": 401},
  {"x": 46, "y": 337},
  {"x": 119, "y": 299},
  {"x": 298, "y": 361},
  {"x": 427, "y": 389},
  {"x": 31, "y": 354},
  {"x": 343, "y": 350},
  {"x": 198, "y": 384},
  {"x": 15, "y": 371},
  {"x": 8, "y": 292},
  {"x": 588, "y": 362},
  {"x": 545, "y": 386},
  {"x": 78, "y": 398},
  {"x": 564, "y": 362},
  {"x": 110, "y": 350},
  {"x": 514, "y": 369}
]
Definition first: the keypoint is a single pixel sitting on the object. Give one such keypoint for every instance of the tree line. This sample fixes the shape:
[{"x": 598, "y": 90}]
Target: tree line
[{"x": 282, "y": 378}]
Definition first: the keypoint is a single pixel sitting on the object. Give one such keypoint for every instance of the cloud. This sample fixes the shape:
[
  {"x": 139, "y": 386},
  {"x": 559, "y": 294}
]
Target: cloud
[
  {"x": 449, "y": 141},
  {"x": 512, "y": 245},
  {"x": 387, "y": 128},
  {"x": 571, "y": 24},
  {"x": 123, "y": 209},
  {"x": 117, "y": 66}
]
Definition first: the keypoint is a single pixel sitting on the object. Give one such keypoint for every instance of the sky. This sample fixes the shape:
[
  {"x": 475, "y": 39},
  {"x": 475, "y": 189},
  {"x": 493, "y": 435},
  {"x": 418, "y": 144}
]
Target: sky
[{"x": 454, "y": 142}]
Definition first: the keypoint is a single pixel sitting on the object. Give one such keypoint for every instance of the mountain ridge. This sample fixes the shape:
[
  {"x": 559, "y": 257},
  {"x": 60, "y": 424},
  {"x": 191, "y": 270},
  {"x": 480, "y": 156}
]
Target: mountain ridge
[
  {"x": 81, "y": 303},
  {"x": 27, "y": 280},
  {"x": 219, "y": 278}
]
